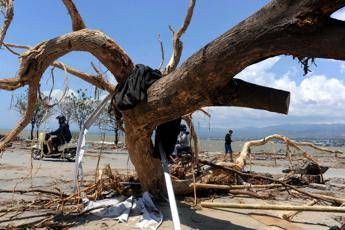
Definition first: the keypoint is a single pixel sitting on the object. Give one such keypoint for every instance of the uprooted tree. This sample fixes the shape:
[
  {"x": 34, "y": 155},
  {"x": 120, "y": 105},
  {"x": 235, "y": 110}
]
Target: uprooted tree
[{"x": 303, "y": 29}]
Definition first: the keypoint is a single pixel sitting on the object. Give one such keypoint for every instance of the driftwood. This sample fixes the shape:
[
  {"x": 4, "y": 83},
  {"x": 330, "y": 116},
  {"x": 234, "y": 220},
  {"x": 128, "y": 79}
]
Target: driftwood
[
  {"x": 233, "y": 187},
  {"x": 291, "y": 215},
  {"x": 334, "y": 200},
  {"x": 33, "y": 191},
  {"x": 250, "y": 194},
  {"x": 240, "y": 161},
  {"x": 274, "y": 207}
]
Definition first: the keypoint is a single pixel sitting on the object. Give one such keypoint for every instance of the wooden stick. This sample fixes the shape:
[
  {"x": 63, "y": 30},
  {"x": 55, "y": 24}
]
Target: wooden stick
[
  {"x": 318, "y": 208},
  {"x": 290, "y": 215},
  {"x": 33, "y": 191},
  {"x": 250, "y": 194},
  {"x": 231, "y": 187}
]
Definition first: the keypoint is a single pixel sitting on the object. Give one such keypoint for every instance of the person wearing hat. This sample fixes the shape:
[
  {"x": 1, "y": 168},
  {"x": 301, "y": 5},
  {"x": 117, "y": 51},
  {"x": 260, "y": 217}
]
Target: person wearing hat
[
  {"x": 228, "y": 148},
  {"x": 60, "y": 136}
]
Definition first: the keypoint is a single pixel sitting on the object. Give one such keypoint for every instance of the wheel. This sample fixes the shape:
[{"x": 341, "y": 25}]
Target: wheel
[
  {"x": 70, "y": 154},
  {"x": 36, "y": 154}
]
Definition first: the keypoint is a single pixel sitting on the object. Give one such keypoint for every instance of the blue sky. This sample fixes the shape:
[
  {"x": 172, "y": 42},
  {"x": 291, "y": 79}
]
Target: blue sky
[{"x": 134, "y": 25}]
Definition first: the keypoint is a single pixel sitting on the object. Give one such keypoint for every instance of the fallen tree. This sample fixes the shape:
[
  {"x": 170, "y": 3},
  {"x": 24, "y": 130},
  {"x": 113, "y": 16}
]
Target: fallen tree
[
  {"x": 240, "y": 161},
  {"x": 204, "y": 79}
]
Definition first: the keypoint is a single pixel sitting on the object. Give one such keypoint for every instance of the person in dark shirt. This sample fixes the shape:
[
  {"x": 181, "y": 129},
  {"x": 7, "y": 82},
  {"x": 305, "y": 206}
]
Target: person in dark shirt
[
  {"x": 60, "y": 136},
  {"x": 228, "y": 148}
]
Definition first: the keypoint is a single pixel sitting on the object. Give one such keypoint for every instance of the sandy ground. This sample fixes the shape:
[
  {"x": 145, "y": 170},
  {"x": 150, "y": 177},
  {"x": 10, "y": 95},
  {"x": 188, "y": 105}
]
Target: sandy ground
[{"x": 53, "y": 173}]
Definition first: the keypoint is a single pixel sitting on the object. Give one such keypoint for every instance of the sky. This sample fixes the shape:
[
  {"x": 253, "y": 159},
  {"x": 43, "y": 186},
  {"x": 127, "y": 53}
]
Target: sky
[{"x": 318, "y": 97}]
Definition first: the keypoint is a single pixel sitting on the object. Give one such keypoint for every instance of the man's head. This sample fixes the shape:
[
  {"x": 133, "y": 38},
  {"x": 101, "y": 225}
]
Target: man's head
[
  {"x": 230, "y": 131},
  {"x": 61, "y": 119}
]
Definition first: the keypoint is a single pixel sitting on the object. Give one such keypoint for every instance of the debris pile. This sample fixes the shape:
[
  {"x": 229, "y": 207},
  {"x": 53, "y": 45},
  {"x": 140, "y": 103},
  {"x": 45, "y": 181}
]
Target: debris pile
[{"x": 60, "y": 209}]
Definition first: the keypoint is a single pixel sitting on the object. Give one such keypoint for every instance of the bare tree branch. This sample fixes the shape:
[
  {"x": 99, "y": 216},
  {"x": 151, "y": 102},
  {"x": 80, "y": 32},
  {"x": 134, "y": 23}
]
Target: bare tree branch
[
  {"x": 92, "y": 79},
  {"x": 8, "y": 19},
  {"x": 77, "y": 21},
  {"x": 11, "y": 50},
  {"x": 45, "y": 102},
  {"x": 32, "y": 97},
  {"x": 204, "y": 77},
  {"x": 177, "y": 43},
  {"x": 99, "y": 73},
  {"x": 17, "y": 46},
  {"x": 37, "y": 59},
  {"x": 44, "y": 54},
  {"x": 162, "y": 51}
]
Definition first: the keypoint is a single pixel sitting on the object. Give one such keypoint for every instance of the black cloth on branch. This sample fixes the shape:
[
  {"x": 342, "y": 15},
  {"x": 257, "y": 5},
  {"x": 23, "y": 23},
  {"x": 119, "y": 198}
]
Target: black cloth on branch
[
  {"x": 167, "y": 133},
  {"x": 134, "y": 89},
  {"x": 132, "y": 92}
]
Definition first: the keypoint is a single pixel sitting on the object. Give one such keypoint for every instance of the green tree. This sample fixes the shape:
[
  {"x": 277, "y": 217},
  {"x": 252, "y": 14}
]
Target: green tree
[{"x": 40, "y": 114}]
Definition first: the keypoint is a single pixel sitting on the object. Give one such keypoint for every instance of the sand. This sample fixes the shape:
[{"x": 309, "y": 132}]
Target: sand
[{"x": 54, "y": 173}]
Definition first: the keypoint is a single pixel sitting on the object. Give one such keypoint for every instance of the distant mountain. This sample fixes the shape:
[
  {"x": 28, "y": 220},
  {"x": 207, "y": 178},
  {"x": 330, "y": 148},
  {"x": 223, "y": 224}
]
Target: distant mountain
[{"x": 289, "y": 130}]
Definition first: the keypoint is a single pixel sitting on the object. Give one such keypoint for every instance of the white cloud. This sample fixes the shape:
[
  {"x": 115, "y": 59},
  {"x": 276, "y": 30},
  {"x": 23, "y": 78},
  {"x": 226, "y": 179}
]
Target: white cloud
[
  {"x": 58, "y": 93},
  {"x": 316, "y": 99},
  {"x": 340, "y": 14},
  {"x": 342, "y": 67}
]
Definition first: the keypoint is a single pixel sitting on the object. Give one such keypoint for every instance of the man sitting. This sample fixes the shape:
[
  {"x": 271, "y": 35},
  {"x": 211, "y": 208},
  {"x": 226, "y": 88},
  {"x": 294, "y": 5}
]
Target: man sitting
[
  {"x": 60, "y": 136},
  {"x": 182, "y": 141}
]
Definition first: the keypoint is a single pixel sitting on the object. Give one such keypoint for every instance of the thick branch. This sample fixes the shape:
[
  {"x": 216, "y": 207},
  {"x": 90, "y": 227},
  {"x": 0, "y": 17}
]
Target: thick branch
[
  {"x": 177, "y": 43},
  {"x": 236, "y": 93},
  {"x": 77, "y": 21},
  {"x": 259, "y": 37},
  {"x": 244, "y": 94},
  {"x": 8, "y": 19},
  {"x": 36, "y": 60},
  {"x": 32, "y": 97},
  {"x": 100, "y": 82},
  {"x": 95, "y": 80}
]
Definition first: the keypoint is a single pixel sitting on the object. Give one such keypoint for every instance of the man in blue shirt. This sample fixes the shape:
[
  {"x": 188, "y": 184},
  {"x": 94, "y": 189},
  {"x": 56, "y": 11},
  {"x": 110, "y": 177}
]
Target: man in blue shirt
[
  {"x": 60, "y": 136},
  {"x": 228, "y": 148}
]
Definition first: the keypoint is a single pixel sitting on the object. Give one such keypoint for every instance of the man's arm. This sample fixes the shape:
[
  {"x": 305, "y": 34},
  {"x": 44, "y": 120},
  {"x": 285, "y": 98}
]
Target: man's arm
[{"x": 56, "y": 132}]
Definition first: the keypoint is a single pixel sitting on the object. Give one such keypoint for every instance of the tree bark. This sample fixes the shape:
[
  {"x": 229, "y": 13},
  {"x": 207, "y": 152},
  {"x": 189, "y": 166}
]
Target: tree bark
[
  {"x": 140, "y": 148},
  {"x": 32, "y": 130}
]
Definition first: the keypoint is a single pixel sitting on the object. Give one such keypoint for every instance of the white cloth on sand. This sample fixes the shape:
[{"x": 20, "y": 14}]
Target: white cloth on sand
[{"x": 120, "y": 208}]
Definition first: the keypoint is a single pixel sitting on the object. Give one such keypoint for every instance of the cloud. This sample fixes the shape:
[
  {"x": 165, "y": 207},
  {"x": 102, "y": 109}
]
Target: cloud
[
  {"x": 342, "y": 67},
  {"x": 314, "y": 99},
  {"x": 340, "y": 14},
  {"x": 58, "y": 93}
]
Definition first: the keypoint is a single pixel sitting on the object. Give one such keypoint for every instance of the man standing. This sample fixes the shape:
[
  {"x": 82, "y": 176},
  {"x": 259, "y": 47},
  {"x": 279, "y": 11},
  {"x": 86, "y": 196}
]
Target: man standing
[{"x": 228, "y": 148}]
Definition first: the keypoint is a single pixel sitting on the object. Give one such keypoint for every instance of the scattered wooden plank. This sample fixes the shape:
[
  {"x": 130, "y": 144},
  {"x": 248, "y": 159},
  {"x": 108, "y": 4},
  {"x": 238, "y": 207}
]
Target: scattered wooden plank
[{"x": 274, "y": 207}]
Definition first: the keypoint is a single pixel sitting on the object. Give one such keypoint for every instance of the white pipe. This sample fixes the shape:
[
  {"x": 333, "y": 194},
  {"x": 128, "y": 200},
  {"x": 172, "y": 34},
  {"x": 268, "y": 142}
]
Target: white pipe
[
  {"x": 78, "y": 173},
  {"x": 171, "y": 194}
]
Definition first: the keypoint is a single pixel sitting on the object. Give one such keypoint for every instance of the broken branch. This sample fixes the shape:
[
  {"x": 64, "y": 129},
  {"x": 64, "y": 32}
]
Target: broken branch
[
  {"x": 177, "y": 43},
  {"x": 8, "y": 19},
  {"x": 77, "y": 21},
  {"x": 240, "y": 161},
  {"x": 274, "y": 207}
]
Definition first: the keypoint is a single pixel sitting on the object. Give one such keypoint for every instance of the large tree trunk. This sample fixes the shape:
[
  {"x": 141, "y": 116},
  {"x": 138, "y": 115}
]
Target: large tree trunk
[
  {"x": 140, "y": 147},
  {"x": 32, "y": 131},
  {"x": 116, "y": 138}
]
